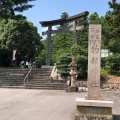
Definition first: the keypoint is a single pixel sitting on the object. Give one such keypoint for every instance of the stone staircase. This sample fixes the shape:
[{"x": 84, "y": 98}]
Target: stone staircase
[
  {"x": 12, "y": 77},
  {"x": 40, "y": 80}
]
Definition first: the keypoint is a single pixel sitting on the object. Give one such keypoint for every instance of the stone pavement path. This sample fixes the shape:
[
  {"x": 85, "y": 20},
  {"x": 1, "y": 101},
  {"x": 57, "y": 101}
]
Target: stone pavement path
[
  {"x": 115, "y": 97},
  {"x": 28, "y": 104}
]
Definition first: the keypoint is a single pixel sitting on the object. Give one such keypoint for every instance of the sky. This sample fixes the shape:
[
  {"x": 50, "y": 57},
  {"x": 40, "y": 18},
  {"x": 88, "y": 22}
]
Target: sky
[{"x": 46, "y": 10}]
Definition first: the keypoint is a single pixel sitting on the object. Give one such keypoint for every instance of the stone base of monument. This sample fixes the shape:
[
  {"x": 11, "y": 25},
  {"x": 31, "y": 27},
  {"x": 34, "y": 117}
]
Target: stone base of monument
[
  {"x": 70, "y": 89},
  {"x": 93, "y": 109}
]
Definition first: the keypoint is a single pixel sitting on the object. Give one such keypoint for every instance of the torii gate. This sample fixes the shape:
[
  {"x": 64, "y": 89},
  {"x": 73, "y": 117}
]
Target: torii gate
[{"x": 61, "y": 22}]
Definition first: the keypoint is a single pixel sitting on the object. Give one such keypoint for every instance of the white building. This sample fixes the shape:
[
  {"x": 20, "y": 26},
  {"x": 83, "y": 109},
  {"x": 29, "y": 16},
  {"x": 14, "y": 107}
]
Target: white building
[{"x": 105, "y": 52}]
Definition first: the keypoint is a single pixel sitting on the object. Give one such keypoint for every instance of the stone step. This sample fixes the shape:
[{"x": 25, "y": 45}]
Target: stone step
[
  {"x": 12, "y": 78},
  {"x": 47, "y": 84},
  {"x": 9, "y": 77},
  {"x": 14, "y": 70},
  {"x": 41, "y": 70},
  {"x": 41, "y": 74},
  {"x": 47, "y": 88},
  {"x": 5, "y": 80},
  {"x": 39, "y": 80},
  {"x": 40, "y": 77},
  {"x": 13, "y": 74},
  {"x": 18, "y": 87},
  {"x": 27, "y": 69},
  {"x": 12, "y": 82}
]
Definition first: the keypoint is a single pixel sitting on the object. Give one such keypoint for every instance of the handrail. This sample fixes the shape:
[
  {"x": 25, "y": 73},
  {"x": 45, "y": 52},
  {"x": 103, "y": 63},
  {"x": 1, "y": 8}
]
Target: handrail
[{"x": 27, "y": 76}]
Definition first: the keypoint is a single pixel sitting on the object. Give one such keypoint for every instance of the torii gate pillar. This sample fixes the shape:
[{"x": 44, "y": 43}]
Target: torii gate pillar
[
  {"x": 48, "y": 55},
  {"x": 74, "y": 33}
]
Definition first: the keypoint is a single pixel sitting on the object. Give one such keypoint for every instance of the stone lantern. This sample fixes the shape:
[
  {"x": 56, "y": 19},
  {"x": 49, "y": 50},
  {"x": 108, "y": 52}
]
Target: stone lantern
[{"x": 73, "y": 72}]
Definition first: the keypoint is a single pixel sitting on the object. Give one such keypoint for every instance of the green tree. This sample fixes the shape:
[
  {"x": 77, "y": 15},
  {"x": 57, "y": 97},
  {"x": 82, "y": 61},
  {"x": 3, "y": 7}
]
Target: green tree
[
  {"x": 20, "y": 35},
  {"x": 105, "y": 33},
  {"x": 82, "y": 35},
  {"x": 64, "y": 15},
  {"x": 61, "y": 42},
  {"x": 113, "y": 18},
  {"x": 80, "y": 54},
  {"x": 41, "y": 59},
  {"x": 9, "y": 7},
  {"x": 94, "y": 18}
]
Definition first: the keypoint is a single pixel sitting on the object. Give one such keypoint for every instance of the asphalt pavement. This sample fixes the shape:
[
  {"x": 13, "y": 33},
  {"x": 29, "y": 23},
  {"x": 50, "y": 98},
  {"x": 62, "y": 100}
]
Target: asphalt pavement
[{"x": 31, "y": 104}]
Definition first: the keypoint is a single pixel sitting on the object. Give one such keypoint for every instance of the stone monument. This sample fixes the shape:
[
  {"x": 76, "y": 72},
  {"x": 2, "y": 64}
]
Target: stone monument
[
  {"x": 93, "y": 107},
  {"x": 94, "y": 43}
]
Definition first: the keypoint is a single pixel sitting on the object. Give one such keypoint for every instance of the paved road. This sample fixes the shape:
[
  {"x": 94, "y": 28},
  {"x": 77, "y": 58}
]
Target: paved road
[{"x": 24, "y": 104}]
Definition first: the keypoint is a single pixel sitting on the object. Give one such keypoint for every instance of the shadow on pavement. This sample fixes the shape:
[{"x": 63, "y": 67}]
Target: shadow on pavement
[{"x": 116, "y": 117}]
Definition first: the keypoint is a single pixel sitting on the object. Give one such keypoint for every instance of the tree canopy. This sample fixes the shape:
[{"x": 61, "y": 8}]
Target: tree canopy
[
  {"x": 20, "y": 35},
  {"x": 64, "y": 15},
  {"x": 9, "y": 7},
  {"x": 113, "y": 21}
]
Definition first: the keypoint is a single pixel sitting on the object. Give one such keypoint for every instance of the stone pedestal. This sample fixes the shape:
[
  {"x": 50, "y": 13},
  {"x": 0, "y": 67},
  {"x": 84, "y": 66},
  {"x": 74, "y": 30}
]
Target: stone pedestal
[
  {"x": 73, "y": 78},
  {"x": 93, "y": 109},
  {"x": 70, "y": 89}
]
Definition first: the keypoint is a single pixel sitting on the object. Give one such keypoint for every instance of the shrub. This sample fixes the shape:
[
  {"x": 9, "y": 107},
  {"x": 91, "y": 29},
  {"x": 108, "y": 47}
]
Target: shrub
[
  {"x": 113, "y": 64},
  {"x": 63, "y": 62},
  {"x": 103, "y": 72},
  {"x": 103, "y": 62}
]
